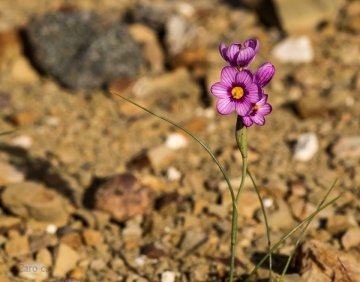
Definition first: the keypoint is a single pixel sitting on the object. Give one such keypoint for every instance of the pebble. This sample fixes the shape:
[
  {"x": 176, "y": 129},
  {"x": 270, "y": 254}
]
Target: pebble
[
  {"x": 193, "y": 239},
  {"x": 347, "y": 147},
  {"x": 40, "y": 203},
  {"x": 351, "y": 238},
  {"x": 82, "y": 51},
  {"x": 168, "y": 276},
  {"x": 44, "y": 257},
  {"x": 123, "y": 196},
  {"x": 294, "y": 50},
  {"x": 23, "y": 141},
  {"x": 339, "y": 223},
  {"x": 65, "y": 260},
  {"x": 17, "y": 246},
  {"x": 92, "y": 237},
  {"x": 173, "y": 174},
  {"x": 10, "y": 174},
  {"x": 306, "y": 147},
  {"x": 176, "y": 141}
]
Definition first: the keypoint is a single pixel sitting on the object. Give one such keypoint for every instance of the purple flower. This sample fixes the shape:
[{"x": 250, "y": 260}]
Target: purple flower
[
  {"x": 240, "y": 55},
  {"x": 264, "y": 74},
  {"x": 258, "y": 112},
  {"x": 236, "y": 91}
]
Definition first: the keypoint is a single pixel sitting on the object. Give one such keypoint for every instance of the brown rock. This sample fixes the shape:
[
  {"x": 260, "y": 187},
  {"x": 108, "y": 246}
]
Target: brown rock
[
  {"x": 347, "y": 147},
  {"x": 72, "y": 239},
  {"x": 92, "y": 237},
  {"x": 123, "y": 197},
  {"x": 44, "y": 257},
  {"x": 40, "y": 203},
  {"x": 9, "y": 222},
  {"x": 17, "y": 246},
  {"x": 281, "y": 219},
  {"x": 10, "y": 174},
  {"x": 351, "y": 238},
  {"x": 154, "y": 250},
  {"x": 339, "y": 223},
  {"x": 317, "y": 261},
  {"x": 248, "y": 204},
  {"x": 22, "y": 71},
  {"x": 65, "y": 260}
]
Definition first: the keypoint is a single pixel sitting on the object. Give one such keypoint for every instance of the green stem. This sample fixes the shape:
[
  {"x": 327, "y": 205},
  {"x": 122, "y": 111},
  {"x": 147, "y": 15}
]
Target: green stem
[
  {"x": 266, "y": 224},
  {"x": 234, "y": 223},
  {"x": 241, "y": 140}
]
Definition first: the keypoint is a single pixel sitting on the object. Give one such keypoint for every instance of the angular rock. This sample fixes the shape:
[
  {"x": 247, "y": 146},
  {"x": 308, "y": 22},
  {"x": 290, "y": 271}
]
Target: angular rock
[
  {"x": 44, "y": 257},
  {"x": 92, "y": 237},
  {"x": 123, "y": 197},
  {"x": 168, "y": 276},
  {"x": 9, "y": 222},
  {"x": 82, "y": 51},
  {"x": 294, "y": 50},
  {"x": 40, "y": 203},
  {"x": 318, "y": 261},
  {"x": 17, "y": 246},
  {"x": 306, "y": 147},
  {"x": 65, "y": 260},
  {"x": 193, "y": 239},
  {"x": 351, "y": 238},
  {"x": 304, "y": 15},
  {"x": 10, "y": 174},
  {"x": 347, "y": 147},
  {"x": 339, "y": 223}
]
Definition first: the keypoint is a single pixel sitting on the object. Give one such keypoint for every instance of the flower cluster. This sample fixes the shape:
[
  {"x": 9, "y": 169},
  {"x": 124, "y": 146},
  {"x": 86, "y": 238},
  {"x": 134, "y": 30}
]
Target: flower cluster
[{"x": 241, "y": 90}]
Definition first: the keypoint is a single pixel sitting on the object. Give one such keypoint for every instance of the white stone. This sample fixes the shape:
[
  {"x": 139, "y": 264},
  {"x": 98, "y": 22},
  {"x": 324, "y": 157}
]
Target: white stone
[
  {"x": 294, "y": 50},
  {"x": 140, "y": 261},
  {"x": 23, "y": 141},
  {"x": 173, "y": 174},
  {"x": 176, "y": 141},
  {"x": 51, "y": 229},
  {"x": 168, "y": 276},
  {"x": 268, "y": 202},
  {"x": 306, "y": 147}
]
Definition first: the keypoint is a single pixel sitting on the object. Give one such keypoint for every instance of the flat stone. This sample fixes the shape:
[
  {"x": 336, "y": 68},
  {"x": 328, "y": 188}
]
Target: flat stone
[
  {"x": 10, "y": 174},
  {"x": 123, "y": 197},
  {"x": 65, "y": 260},
  {"x": 193, "y": 239},
  {"x": 303, "y": 15},
  {"x": 351, "y": 238},
  {"x": 17, "y": 246},
  {"x": 347, "y": 147},
  {"x": 294, "y": 50},
  {"x": 92, "y": 237},
  {"x": 168, "y": 276},
  {"x": 340, "y": 223},
  {"x": 44, "y": 257},
  {"x": 40, "y": 203},
  {"x": 9, "y": 222},
  {"x": 82, "y": 50}
]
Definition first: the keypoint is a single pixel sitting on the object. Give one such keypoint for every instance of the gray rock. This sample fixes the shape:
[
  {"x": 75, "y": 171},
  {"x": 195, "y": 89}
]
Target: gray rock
[
  {"x": 81, "y": 51},
  {"x": 347, "y": 147}
]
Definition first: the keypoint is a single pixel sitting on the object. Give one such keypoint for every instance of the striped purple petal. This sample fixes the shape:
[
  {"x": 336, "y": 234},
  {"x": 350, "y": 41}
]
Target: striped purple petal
[
  {"x": 264, "y": 74},
  {"x": 247, "y": 121},
  {"x": 222, "y": 50},
  {"x": 252, "y": 43},
  {"x": 225, "y": 106},
  {"x": 253, "y": 93},
  {"x": 258, "y": 119},
  {"x": 245, "y": 56},
  {"x": 243, "y": 107},
  {"x": 265, "y": 110},
  {"x": 244, "y": 78},
  {"x": 228, "y": 75},
  {"x": 232, "y": 53},
  {"x": 220, "y": 90}
]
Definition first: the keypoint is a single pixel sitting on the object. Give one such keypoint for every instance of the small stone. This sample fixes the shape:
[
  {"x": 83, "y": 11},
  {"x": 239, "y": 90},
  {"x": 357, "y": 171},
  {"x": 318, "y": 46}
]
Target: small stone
[
  {"x": 40, "y": 203},
  {"x": 351, "y": 238},
  {"x": 17, "y": 246},
  {"x": 173, "y": 174},
  {"x": 92, "y": 237},
  {"x": 160, "y": 157},
  {"x": 340, "y": 223},
  {"x": 123, "y": 197},
  {"x": 281, "y": 219},
  {"x": 23, "y": 72},
  {"x": 65, "y": 260},
  {"x": 176, "y": 141},
  {"x": 23, "y": 141},
  {"x": 44, "y": 257},
  {"x": 294, "y": 50},
  {"x": 24, "y": 118},
  {"x": 347, "y": 147},
  {"x": 9, "y": 222},
  {"x": 168, "y": 276},
  {"x": 193, "y": 239},
  {"x": 249, "y": 203},
  {"x": 306, "y": 147},
  {"x": 72, "y": 239},
  {"x": 10, "y": 174},
  {"x": 98, "y": 264},
  {"x": 154, "y": 250}
]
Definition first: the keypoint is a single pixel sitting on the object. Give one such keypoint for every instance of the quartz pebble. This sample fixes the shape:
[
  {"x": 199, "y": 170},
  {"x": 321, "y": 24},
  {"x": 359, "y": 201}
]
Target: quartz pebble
[
  {"x": 306, "y": 147},
  {"x": 294, "y": 50}
]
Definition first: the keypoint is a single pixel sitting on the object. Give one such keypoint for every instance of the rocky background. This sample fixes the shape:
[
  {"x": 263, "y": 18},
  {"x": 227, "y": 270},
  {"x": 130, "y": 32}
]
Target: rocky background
[{"x": 94, "y": 189}]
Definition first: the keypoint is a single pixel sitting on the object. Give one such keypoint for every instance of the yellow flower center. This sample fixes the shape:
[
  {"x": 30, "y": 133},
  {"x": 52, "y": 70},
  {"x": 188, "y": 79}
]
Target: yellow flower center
[{"x": 237, "y": 92}]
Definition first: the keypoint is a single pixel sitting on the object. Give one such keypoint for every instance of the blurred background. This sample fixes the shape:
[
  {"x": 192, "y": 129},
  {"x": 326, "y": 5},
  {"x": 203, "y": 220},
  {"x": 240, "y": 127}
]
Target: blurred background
[{"x": 94, "y": 189}]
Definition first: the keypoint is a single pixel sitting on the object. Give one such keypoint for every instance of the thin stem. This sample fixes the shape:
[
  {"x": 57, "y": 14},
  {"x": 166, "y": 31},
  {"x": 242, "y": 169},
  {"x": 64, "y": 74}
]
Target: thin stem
[
  {"x": 266, "y": 223},
  {"x": 202, "y": 144},
  {"x": 241, "y": 140},
  {"x": 301, "y": 237},
  {"x": 234, "y": 230},
  {"x": 286, "y": 236}
]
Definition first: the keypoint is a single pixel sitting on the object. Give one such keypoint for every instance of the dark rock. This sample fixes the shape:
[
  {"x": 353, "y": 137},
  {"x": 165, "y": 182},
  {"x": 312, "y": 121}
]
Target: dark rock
[{"x": 82, "y": 51}]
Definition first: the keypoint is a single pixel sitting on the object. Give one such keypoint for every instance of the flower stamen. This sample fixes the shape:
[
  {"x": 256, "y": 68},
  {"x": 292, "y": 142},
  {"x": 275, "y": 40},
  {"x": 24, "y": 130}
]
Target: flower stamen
[
  {"x": 237, "y": 92},
  {"x": 255, "y": 108}
]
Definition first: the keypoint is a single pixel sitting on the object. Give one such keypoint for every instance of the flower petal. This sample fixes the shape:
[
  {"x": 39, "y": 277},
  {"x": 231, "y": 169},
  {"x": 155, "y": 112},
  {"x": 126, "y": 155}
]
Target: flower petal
[
  {"x": 258, "y": 119},
  {"x": 228, "y": 75},
  {"x": 265, "y": 110},
  {"x": 247, "y": 121},
  {"x": 225, "y": 106},
  {"x": 245, "y": 56},
  {"x": 232, "y": 52},
  {"x": 253, "y": 93},
  {"x": 222, "y": 50},
  {"x": 244, "y": 78},
  {"x": 252, "y": 43},
  {"x": 219, "y": 90},
  {"x": 264, "y": 74},
  {"x": 243, "y": 107}
]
